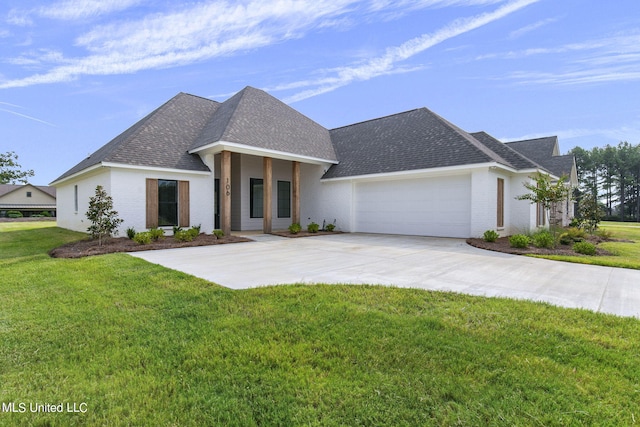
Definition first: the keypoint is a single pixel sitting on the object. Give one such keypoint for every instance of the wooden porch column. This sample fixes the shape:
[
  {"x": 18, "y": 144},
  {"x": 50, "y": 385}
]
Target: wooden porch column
[
  {"x": 225, "y": 192},
  {"x": 267, "y": 176},
  {"x": 295, "y": 196}
]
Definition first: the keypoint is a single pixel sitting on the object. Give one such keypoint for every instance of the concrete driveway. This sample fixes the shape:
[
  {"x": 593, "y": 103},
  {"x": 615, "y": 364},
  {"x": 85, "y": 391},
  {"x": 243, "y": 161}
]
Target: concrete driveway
[{"x": 407, "y": 261}]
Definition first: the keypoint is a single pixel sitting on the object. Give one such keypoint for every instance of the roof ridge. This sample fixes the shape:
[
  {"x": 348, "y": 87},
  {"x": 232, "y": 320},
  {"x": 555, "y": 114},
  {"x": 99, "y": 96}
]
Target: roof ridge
[
  {"x": 532, "y": 139},
  {"x": 474, "y": 142},
  {"x": 511, "y": 150},
  {"x": 377, "y": 118},
  {"x": 240, "y": 95}
]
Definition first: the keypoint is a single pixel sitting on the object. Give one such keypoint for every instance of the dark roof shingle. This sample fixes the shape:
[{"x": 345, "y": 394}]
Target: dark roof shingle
[
  {"x": 413, "y": 140},
  {"x": 544, "y": 151},
  {"x": 161, "y": 139},
  {"x": 254, "y": 118}
]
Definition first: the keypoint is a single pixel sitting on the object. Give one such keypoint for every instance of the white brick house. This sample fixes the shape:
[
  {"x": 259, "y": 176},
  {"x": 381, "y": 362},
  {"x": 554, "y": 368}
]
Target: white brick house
[{"x": 254, "y": 163}]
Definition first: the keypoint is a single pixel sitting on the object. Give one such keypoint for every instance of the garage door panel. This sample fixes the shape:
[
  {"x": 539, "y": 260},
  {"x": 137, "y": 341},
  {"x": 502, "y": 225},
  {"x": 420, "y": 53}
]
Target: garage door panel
[{"x": 425, "y": 206}]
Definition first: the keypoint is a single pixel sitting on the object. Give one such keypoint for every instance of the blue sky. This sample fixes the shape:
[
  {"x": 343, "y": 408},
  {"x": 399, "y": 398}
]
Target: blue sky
[{"x": 76, "y": 73}]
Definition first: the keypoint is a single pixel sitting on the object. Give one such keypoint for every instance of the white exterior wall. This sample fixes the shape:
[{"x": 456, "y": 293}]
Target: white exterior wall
[
  {"x": 324, "y": 201},
  {"x": 128, "y": 189},
  {"x": 67, "y": 216},
  {"x": 483, "y": 202},
  {"x": 522, "y": 213}
]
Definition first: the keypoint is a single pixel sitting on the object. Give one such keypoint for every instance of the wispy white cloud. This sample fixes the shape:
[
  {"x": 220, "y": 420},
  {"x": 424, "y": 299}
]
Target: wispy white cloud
[
  {"x": 208, "y": 30},
  {"x": 195, "y": 34},
  {"x": 79, "y": 9},
  {"x": 527, "y": 29},
  {"x": 15, "y": 113},
  {"x": 38, "y": 57},
  {"x": 576, "y": 77},
  {"x": 18, "y": 17},
  {"x": 609, "y": 59},
  {"x": 68, "y": 10},
  {"x": 387, "y": 63}
]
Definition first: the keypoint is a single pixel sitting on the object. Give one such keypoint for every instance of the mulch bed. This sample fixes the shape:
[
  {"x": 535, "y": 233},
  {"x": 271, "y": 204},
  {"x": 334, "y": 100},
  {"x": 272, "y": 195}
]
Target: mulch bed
[
  {"x": 83, "y": 248},
  {"x": 303, "y": 233},
  {"x": 503, "y": 245}
]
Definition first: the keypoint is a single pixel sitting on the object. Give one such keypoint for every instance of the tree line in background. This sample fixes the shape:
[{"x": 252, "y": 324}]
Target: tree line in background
[{"x": 611, "y": 175}]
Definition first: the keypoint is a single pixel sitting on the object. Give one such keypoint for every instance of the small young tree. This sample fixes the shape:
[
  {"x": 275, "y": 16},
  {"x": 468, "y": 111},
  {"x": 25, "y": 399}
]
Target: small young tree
[
  {"x": 545, "y": 192},
  {"x": 104, "y": 220},
  {"x": 590, "y": 212}
]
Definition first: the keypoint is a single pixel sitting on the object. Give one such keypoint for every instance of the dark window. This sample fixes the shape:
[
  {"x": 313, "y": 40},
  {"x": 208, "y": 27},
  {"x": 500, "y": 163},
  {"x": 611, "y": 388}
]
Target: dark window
[
  {"x": 75, "y": 197},
  {"x": 284, "y": 199},
  {"x": 256, "y": 194},
  {"x": 167, "y": 202},
  {"x": 28, "y": 193}
]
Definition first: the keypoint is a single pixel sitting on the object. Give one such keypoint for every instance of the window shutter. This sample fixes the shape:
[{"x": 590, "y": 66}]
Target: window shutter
[
  {"x": 183, "y": 203},
  {"x": 152, "y": 203}
]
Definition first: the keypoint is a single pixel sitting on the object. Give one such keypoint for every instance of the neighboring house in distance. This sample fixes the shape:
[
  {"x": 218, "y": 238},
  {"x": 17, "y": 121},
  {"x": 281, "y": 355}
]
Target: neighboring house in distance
[
  {"x": 27, "y": 199},
  {"x": 254, "y": 163}
]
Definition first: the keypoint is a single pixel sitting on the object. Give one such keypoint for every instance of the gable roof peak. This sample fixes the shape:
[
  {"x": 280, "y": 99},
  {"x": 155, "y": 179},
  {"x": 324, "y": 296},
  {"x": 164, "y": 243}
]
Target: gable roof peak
[{"x": 254, "y": 118}]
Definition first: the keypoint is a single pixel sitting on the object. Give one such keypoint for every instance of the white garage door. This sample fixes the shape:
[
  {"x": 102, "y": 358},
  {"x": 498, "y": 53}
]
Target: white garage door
[{"x": 426, "y": 206}]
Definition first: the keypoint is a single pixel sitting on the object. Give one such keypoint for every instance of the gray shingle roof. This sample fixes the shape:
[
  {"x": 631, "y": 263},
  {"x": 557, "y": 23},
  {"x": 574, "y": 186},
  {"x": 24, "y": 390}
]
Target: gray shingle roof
[
  {"x": 517, "y": 160},
  {"x": 416, "y": 139},
  {"x": 161, "y": 139},
  {"x": 254, "y": 118},
  {"x": 544, "y": 151},
  {"x": 413, "y": 140}
]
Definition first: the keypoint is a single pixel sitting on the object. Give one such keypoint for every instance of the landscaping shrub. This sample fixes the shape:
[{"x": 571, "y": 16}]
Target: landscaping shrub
[
  {"x": 176, "y": 229},
  {"x": 218, "y": 233},
  {"x": 603, "y": 234},
  {"x": 294, "y": 228},
  {"x": 194, "y": 232},
  {"x": 14, "y": 214},
  {"x": 543, "y": 239},
  {"x": 572, "y": 235},
  {"x": 585, "y": 248},
  {"x": 577, "y": 234},
  {"x": 313, "y": 227},
  {"x": 491, "y": 236},
  {"x": 565, "y": 239},
  {"x": 330, "y": 227},
  {"x": 519, "y": 241},
  {"x": 183, "y": 236},
  {"x": 131, "y": 233},
  {"x": 156, "y": 234},
  {"x": 186, "y": 235},
  {"x": 142, "y": 238}
]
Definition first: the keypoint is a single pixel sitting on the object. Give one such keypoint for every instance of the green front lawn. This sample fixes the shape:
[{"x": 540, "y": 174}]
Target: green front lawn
[
  {"x": 626, "y": 254},
  {"x": 144, "y": 345}
]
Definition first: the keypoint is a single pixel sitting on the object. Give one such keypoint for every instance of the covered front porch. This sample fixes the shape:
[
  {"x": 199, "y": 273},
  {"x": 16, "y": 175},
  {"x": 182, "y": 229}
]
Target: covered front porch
[{"x": 257, "y": 192}]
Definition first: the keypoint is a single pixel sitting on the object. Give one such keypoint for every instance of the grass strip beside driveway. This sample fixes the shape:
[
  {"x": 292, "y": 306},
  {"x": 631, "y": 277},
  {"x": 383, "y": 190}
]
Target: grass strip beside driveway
[
  {"x": 626, "y": 253},
  {"x": 144, "y": 345}
]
